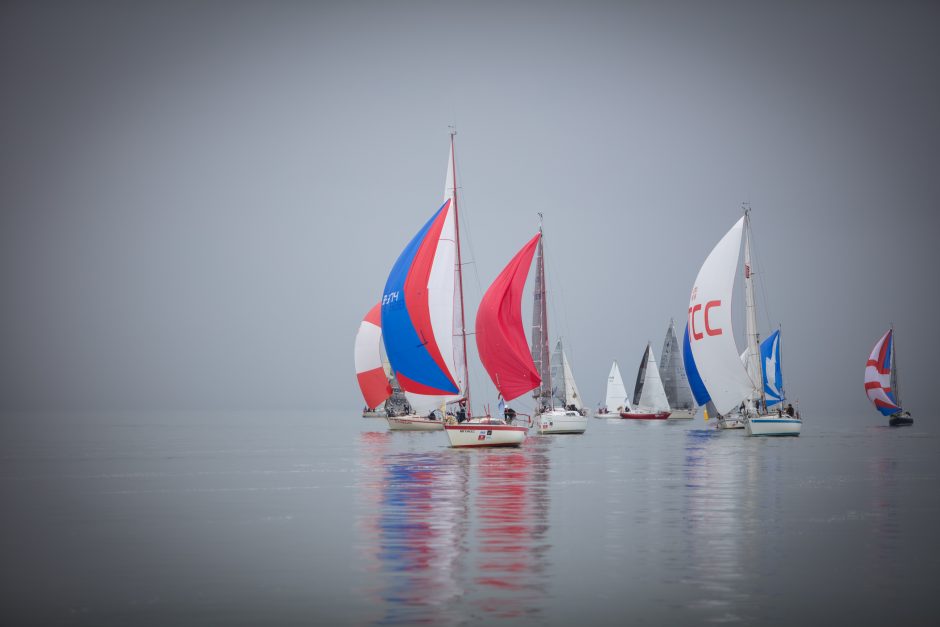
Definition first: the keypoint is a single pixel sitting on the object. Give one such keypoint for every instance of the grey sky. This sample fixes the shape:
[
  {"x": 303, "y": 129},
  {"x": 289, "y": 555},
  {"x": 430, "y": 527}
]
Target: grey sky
[{"x": 199, "y": 203}]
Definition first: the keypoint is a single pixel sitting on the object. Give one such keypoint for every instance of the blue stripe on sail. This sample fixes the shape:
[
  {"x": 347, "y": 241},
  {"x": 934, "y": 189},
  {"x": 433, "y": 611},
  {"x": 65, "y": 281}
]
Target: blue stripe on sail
[
  {"x": 695, "y": 381},
  {"x": 888, "y": 411},
  {"x": 771, "y": 367},
  {"x": 406, "y": 352}
]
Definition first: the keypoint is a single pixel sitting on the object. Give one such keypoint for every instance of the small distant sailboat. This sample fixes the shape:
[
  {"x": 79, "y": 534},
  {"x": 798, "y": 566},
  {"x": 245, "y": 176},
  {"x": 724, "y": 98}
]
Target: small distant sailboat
[
  {"x": 555, "y": 413},
  {"x": 649, "y": 396},
  {"x": 881, "y": 382},
  {"x": 675, "y": 381},
  {"x": 616, "y": 399}
]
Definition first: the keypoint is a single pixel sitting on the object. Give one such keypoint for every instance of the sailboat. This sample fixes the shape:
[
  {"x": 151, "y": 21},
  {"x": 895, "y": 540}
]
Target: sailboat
[
  {"x": 881, "y": 381},
  {"x": 732, "y": 386},
  {"x": 615, "y": 401},
  {"x": 423, "y": 319},
  {"x": 555, "y": 413},
  {"x": 649, "y": 396},
  {"x": 423, "y": 322},
  {"x": 675, "y": 381}
]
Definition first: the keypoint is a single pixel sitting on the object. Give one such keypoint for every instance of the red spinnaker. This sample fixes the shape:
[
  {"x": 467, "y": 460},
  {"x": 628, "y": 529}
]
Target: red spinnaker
[{"x": 499, "y": 332}]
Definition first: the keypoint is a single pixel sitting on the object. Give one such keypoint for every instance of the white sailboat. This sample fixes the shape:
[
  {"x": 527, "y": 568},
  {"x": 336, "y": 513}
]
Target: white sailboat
[
  {"x": 676, "y": 383},
  {"x": 615, "y": 400},
  {"x": 553, "y": 414},
  {"x": 736, "y": 388},
  {"x": 649, "y": 396},
  {"x": 881, "y": 381}
]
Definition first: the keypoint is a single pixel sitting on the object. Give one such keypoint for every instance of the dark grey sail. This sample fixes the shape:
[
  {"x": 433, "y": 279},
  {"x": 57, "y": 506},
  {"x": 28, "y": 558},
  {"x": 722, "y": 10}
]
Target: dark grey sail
[
  {"x": 640, "y": 377},
  {"x": 540, "y": 351},
  {"x": 672, "y": 370}
]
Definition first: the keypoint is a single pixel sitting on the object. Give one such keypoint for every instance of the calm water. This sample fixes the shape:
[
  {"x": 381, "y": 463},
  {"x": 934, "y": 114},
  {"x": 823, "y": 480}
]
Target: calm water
[{"x": 331, "y": 519}]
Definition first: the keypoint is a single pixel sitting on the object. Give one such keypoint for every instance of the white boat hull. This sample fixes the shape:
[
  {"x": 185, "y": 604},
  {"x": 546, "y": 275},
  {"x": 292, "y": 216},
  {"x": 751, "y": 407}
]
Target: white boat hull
[
  {"x": 413, "y": 423},
  {"x": 561, "y": 421},
  {"x": 485, "y": 433},
  {"x": 610, "y": 414},
  {"x": 731, "y": 422},
  {"x": 682, "y": 414},
  {"x": 772, "y": 425},
  {"x": 374, "y": 414}
]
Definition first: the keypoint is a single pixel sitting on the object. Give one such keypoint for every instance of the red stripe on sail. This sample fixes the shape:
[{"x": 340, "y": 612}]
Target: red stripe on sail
[
  {"x": 374, "y": 385},
  {"x": 414, "y": 387},
  {"x": 500, "y": 334},
  {"x": 375, "y": 315},
  {"x": 416, "y": 299}
]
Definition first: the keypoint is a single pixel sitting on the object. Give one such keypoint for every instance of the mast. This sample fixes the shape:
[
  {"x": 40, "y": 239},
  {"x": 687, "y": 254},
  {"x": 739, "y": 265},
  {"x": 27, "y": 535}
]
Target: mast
[
  {"x": 755, "y": 368},
  {"x": 894, "y": 371},
  {"x": 542, "y": 357},
  {"x": 463, "y": 322}
]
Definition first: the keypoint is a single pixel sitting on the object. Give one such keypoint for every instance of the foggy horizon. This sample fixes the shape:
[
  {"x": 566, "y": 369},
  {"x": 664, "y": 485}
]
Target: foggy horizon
[{"x": 201, "y": 202}]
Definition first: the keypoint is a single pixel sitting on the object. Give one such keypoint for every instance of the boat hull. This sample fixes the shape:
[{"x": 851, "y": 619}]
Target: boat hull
[
  {"x": 484, "y": 434},
  {"x": 374, "y": 414},
  {"x": 682, "y": 414},
  {"x": 610, "y": 414},
  {"x": 900, "y": 421},
  {"x": 561, "y": 422},
  {"x": 773, "y": 426},
  {"x": 730, "y": 423},
  {"x": 633, "y": 415},
  {"x": 413, "y": 423}
]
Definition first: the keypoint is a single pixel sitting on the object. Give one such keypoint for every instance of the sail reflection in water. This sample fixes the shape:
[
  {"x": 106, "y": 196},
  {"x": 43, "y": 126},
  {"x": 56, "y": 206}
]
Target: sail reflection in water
[
  {"x": 511, "y": 512},
  {"x": 449, "y": 535}
]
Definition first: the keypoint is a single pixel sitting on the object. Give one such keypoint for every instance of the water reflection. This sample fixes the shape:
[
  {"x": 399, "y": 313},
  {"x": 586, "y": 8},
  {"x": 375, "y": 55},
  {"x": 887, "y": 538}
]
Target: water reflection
[{"x": 449, "y": 534}]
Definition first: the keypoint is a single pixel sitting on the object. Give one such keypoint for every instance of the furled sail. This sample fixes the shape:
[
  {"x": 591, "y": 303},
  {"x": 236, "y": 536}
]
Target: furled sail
[
  {"x": 710, "y": 332},
  {"x": 878, "y": 376},
  {"x": 773, "y": 373},
  {"x": 500, "y": 334},
  {"x": 566, "y": 390},
  {"x": 540, "y": 352},
  {"x": 652, "y": 395},
  {"x": 673, "y": 373},
  {"x": 370, "y": 372},
  {"x": 616, "y": 391},
  {"x": 418, "y": 314}
]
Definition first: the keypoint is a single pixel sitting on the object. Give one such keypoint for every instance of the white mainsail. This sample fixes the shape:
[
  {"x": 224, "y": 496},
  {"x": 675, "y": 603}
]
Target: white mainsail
[
  {"x": 652, "y": 395},
  {"x": 710, "y": 331},
  {"x": 566, "y": 390},
  {"x": 616, "y": 391}
]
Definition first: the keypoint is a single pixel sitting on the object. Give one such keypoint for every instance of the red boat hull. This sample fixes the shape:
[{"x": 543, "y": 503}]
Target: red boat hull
[{"x": 657, "y": 416}]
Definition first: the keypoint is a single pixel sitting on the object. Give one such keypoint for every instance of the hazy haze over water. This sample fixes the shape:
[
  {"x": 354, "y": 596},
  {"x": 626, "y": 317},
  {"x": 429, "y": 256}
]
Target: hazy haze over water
[{"x": 200, "y": 202}]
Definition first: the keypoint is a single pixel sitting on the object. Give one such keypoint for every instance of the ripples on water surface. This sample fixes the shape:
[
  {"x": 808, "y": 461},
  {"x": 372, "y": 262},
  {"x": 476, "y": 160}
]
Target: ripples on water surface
[{"x": 331, "y": 519}]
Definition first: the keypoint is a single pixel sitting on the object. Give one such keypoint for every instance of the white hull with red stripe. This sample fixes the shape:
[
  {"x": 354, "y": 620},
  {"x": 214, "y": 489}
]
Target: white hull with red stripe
[
  {"x": 484, "y": 432},
  {"x": 413, "y": 422}
]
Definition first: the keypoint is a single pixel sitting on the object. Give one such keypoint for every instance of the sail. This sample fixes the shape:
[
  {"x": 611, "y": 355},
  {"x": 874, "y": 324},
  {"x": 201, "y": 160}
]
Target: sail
[
  {"x": 418, "y": 314},
  {"x": 640, "y": 379},
  {"x": 566, "y": 390},
  {"x": 710, "y": 333},
  {"x": 695, "y": 380},
  {"x": 652, "y": 396},
  {"x": 672, "y": 371},
  {"x": 500, "y": 333},
  {"x": 773, "y": 375},
  {"x": 540, "y": 354},
  {"x": 616, "y": 392},
  {"x": 370, "y": 372},
  {"x": 752, "y": 360},
  {"x": 459, "y": 344},
  {"x": 878, "y": 377}
]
